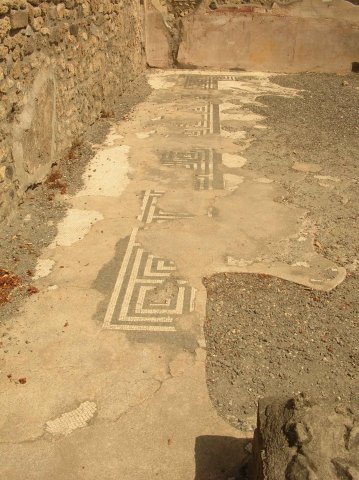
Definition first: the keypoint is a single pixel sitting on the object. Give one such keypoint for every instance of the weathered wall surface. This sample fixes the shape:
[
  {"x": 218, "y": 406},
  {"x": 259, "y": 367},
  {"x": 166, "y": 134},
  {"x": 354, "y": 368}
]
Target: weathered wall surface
[
  {"x": 62, "y": 65},
  {"x": 297, "y": 439},
  {"x": 304, "y": 35}
]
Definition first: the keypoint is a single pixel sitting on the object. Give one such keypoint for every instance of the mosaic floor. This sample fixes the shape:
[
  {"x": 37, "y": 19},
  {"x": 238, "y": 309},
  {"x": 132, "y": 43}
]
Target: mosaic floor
[
  {"x": 112, "y": 346},
  {"x": 131, "y": 307},
  {"x": 210, "y": 134}
]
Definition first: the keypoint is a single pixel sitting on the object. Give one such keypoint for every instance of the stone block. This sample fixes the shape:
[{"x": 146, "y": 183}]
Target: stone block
[
  {"x": 158, "y": 51},
  {"x": 2, "y": 173},
  {"x": 19, "y": 19},
  {"x": 74, "y": 29},
  {"x": 297, "y": 439},
  {"x": 4, "y": 9},
  {"x": 37, "y": 23},
  {"x": 4, "y": 26}
]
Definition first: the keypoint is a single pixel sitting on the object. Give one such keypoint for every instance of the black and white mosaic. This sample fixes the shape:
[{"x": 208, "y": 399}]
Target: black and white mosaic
[
  {"x": 134, "y": 305},
  {"x": 207, "y": 82},
  {"x": 204, "y": 162},
  {"x": 152, "y": 213},
  {"x": 209, "y": 123}
]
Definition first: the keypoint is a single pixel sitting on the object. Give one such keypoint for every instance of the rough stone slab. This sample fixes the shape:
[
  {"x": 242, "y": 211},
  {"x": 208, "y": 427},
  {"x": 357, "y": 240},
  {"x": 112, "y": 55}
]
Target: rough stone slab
[
  {"x": 296, "y": 439},
  {"x": 19, "y": 19},
  {"x": 157, "y": 43}
]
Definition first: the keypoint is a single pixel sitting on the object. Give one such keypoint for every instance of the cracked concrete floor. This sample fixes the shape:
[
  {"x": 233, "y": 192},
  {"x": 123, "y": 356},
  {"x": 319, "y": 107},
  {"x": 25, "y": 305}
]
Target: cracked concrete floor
[{"x": 115, "y": 360}]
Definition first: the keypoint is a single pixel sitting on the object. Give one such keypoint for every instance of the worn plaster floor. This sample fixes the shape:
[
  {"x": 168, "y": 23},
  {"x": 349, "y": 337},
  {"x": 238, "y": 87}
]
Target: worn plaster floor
[{"x": 115, "y": 373}]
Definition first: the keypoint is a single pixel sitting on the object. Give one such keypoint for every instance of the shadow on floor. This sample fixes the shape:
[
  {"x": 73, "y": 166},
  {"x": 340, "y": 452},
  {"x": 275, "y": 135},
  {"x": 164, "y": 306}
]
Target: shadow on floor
[{"x": 221, "y": 458}]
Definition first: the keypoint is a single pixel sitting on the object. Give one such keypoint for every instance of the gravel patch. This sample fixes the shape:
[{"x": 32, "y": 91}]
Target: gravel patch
[{"x": 266, "y": 336}]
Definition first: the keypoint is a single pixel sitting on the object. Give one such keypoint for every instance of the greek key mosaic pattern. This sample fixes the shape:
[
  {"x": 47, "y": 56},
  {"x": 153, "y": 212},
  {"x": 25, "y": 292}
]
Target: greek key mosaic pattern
[
  {"x": 209, "y": 123},
  {"x": 207, "y": 82},
  {"x": 205, "y": 164},
  {"x": 148, "y": 295},
  {"x": 151, "y": 213}
]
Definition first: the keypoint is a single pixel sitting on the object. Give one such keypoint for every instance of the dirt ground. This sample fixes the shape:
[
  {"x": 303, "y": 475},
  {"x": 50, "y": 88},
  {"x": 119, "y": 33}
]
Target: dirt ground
[
  {"x": 33, "y": 225},
  {"x": 321, "y": 126},
  {"x": 267, "y": 336}
]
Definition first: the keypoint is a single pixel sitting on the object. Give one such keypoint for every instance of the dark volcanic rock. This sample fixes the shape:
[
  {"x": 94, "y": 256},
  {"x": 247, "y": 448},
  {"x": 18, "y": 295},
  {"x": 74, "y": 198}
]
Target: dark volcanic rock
[{"x": 298, "y": 439}]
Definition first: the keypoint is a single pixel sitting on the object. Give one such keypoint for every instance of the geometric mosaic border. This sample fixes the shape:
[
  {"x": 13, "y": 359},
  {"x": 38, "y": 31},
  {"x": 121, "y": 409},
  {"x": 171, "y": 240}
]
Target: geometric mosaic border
[
  {"x": 209, "y": 123},
  {"x": 205, "y": 163},
  {"x": 148, "y": 296},
  {"x": 150, "y": 212},
  {"x": 207, "y": 82}
]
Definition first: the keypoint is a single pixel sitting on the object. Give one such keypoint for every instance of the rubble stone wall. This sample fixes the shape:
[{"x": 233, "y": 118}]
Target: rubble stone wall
[{"x": 62, "y": 65}]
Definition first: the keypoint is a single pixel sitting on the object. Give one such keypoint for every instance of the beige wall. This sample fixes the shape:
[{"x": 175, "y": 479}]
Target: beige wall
[
  {"x": 307, "y": 35},
  {"x": 62, "y": 64}
]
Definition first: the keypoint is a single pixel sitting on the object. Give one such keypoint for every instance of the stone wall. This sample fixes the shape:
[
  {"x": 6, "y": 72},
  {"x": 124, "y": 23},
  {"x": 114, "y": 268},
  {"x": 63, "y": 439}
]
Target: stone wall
[
  {"x": 274, "y": 36},
  {"x": 62, "y": 65}
]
